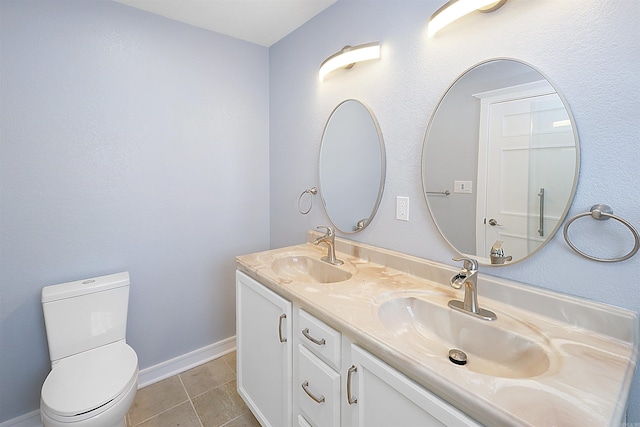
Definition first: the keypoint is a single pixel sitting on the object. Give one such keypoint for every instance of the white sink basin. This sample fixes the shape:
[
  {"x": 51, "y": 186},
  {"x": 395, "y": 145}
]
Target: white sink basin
[
  {"x": 433, "y": 329},
  {"x": 307, "y": 269}
]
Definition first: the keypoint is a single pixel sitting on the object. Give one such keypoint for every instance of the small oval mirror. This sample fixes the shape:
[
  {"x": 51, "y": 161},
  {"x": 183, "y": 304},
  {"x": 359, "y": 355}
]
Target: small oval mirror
[
  {"x": 351, "y": 166},
  {"x": 500, "y": 162}
]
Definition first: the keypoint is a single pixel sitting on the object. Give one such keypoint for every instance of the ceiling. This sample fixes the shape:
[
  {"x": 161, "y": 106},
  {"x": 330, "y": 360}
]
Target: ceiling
[{"x": 262, "y": 22}]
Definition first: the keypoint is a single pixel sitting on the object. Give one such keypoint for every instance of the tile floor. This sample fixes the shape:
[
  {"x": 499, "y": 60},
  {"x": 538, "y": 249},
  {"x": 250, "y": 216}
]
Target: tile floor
[{"x": 204, "y": 396}]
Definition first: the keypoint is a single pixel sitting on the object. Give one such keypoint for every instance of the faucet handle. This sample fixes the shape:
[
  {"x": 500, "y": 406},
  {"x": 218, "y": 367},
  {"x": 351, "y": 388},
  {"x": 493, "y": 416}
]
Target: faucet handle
[
  {"x": 329, "y": 231},
  {"x": 469, "y": 263}
]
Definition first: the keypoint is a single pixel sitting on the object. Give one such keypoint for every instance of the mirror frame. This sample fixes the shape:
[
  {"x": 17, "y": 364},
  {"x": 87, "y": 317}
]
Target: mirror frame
[
  {"x": 383, "y": 167},
  {"x": 576, "y": 174}
]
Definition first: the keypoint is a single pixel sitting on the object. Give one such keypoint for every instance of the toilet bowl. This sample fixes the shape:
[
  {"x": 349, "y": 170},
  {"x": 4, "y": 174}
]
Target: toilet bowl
[
  {"x": 94, "y": 375},
  {"x": 94, "y": 388}
]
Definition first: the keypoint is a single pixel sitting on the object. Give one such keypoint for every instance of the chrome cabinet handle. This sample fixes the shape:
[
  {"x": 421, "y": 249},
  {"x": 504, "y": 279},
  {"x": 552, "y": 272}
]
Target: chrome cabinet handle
[
  {"x": 350, "y": 399},
  {"x": 305, "y": 387},
  {"x": 305, "y": 332},
  {"x": 282, "y": 317}
]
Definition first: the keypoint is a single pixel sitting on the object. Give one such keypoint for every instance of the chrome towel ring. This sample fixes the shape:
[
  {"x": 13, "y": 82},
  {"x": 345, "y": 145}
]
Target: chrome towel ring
[
  {"x": 311, "y": 191},
  {"x": 602, "y": 212}
]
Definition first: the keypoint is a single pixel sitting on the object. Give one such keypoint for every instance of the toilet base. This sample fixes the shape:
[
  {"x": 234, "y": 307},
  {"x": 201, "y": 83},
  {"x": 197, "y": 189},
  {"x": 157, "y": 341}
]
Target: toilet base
[{"x": 48, "y": 422}]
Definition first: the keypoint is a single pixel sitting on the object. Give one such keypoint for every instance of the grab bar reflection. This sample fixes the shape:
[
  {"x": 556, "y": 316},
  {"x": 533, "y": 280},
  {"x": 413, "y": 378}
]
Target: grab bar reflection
[{"x": 438, "y": 193}]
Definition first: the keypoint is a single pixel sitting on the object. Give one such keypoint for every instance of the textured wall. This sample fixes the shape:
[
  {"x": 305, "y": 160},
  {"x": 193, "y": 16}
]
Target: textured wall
[
  {"x": 589, "y": 49},
  {"x": 125, "y": 146}
]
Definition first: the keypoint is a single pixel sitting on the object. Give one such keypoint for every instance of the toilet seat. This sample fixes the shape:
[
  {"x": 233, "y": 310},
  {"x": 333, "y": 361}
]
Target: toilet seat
[{"x": 88, "y": 383}]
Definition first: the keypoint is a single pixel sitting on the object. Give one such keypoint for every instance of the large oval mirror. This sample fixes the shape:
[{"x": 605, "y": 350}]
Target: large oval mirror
[
  {"x": 500, "y": 162},
  {"x": 351, "y": 166}
]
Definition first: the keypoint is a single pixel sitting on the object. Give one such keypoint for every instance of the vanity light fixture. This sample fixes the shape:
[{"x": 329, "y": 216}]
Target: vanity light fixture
[
  {"x": 348, "y": 57},
  {"x": 454, "y": 9}
]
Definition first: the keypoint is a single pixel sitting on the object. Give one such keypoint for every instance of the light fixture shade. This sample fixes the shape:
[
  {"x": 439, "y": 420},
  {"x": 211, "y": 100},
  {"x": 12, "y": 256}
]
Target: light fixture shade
[
  {"x": 348, "y": 57},
  {"x": 454, "y": 9}
]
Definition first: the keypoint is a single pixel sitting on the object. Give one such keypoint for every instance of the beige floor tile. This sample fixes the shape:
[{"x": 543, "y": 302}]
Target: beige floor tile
[
  {"x": 181, "y": 416},
  {"x": 245, "y": 420},
  {"x": 219, "y": 406},
  {"x": 156, "y": 398},
  {"x": 230, "y": 358},
  {"x": 206, "y": 377}
]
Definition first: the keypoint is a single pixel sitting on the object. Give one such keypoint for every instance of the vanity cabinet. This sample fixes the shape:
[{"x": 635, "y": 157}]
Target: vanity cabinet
[
  {"x": 294, "y": 369},
  {"x": 264, "y": 351}
]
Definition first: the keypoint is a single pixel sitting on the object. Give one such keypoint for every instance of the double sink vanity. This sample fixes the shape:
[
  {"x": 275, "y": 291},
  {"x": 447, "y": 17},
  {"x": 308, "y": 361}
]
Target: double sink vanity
[
  {"x": 367, "y": 343},
  {"x": 364, "y": 336}
]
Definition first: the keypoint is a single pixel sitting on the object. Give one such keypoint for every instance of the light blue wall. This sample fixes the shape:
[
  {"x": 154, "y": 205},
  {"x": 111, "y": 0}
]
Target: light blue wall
[
  {"x": 588, "y": 48},
  {"x": 128, "y": 142},
  {"x": 124, "y": 145}
]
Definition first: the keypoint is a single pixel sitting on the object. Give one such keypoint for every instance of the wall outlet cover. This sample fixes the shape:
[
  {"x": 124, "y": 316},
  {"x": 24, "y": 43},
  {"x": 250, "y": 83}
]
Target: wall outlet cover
[{"x": 402, "y": 208}]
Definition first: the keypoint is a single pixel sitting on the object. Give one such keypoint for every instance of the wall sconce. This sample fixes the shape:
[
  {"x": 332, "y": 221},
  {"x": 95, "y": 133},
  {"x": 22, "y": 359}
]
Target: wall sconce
[
  {"x": 348, "y": 57},
  {"x": 454, "y": 9}
]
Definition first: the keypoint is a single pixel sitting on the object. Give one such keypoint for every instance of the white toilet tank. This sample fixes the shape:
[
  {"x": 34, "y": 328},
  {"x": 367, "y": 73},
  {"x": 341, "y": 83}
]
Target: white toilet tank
[{"x": 85, "y": 314}]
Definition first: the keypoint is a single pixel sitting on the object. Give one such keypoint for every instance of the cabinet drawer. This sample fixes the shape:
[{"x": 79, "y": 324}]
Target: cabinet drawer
[
  {"x": 320, "y": 338},
  {"x": 318, "y": 389}
]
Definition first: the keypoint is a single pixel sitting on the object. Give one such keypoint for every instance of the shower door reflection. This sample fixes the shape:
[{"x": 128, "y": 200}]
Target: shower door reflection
[{"x": 525, "y": 167}]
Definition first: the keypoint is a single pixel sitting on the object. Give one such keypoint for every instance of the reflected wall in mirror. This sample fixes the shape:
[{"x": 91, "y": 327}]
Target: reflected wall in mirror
[
  {"x": 351, "y": 166},
  {"x": 503, "y": 143}
]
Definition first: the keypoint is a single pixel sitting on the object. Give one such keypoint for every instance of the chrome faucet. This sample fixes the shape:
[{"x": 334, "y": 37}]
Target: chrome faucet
[
  {"x": 468, "y": 277},
  {"x": 329, "y": 239}
]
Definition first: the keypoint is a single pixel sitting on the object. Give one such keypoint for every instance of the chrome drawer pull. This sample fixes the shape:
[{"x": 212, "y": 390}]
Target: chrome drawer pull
[
  {"x": 305, "y": 332},
  {"x": 305, "y": 387},
  {"x": 351, "y": 400},
  {"x": 282, "y": 317}
]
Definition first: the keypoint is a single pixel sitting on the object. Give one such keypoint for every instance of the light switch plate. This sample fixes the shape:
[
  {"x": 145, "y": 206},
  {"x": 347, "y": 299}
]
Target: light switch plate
[{"x": 465, "y": 187}]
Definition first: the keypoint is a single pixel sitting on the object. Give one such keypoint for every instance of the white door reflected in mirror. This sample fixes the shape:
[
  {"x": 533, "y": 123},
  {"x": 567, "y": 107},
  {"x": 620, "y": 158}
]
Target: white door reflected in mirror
[
  {"x": 529, "y": 168},
  {"x": 504, "y": 139}
]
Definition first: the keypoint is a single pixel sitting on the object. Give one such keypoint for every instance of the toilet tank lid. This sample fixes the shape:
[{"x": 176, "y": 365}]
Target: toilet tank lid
[{"x": 85, "y": 286}]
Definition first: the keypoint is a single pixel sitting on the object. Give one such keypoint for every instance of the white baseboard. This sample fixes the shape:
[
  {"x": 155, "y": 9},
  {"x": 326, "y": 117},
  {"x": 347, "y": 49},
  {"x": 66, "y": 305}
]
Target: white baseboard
[
  {"x": 32, "y": 419},
  {"x": 169, "y": 368},
  {"x": 150, "y": 375}
]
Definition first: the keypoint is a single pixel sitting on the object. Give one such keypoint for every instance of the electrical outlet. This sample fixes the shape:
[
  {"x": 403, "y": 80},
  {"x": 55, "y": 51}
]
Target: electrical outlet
[{"x": 402, "y": 208}]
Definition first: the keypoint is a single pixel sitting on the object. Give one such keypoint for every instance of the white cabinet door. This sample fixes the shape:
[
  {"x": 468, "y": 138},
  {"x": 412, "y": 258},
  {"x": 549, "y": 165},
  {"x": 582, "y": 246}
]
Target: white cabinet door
[
  {"x": 264, "y": 352},
  {"x": 385, "y": 397}
]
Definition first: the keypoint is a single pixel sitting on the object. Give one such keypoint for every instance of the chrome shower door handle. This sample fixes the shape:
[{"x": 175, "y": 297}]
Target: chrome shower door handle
[{"x": 541, "y": 225}]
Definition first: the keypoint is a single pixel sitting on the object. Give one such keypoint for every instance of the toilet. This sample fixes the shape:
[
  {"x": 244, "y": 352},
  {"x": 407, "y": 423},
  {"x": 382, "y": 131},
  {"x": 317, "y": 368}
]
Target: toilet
[{"x": 94, "y": 373}]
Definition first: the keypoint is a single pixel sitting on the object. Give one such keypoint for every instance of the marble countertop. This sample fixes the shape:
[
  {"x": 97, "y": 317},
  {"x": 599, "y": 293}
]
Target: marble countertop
[{"x": 591, "y": 348}]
